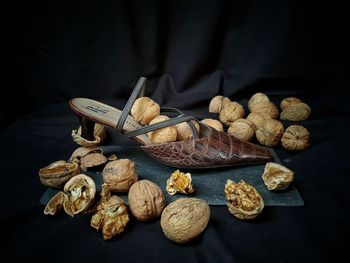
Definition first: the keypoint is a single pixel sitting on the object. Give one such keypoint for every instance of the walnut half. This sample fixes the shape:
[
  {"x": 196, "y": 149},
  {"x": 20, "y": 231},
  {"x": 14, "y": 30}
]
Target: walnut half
[{"x": 277, "y": 177}]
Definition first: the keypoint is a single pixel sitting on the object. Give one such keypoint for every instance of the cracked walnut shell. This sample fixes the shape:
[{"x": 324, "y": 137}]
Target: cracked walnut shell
[
  {"x": 58, "y": 173},
  {"x": 243, "y": 201},
  {"x": 242, "y": 129},
  {"x": 296, "y": 138},
  {"x": 119, "y": 175},
  {"x": 179, "y": 182},
  {"x": 55, "y": 204},
  {"x": 111, "y": 216},
  {"x": 146, "y": 200},
  {"x": 79, "y": 194},
  {"x": 296, "y": 112},
  {"x": 144, "y": 110},
  {"x": 217, "y": 125},
  {"x": 270, "y": 133},
  {"x": 230, "y": 112},
  {"x": 277, "y": 177},
  {"x": 185, "y": 219},
  {"x": 99, "y": 136},
  {"x": 163, "y": 135}
]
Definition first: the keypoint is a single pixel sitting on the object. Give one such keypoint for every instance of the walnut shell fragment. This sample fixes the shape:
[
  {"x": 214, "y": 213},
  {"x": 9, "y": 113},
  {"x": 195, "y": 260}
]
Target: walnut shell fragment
[
  {"x": 146, "y": 200},
  {"x": 58, "y": 173},
  {"x": 242, "y": 129},
  {"x": 55, "y": 204},
  {"x": 185, "y": 219},
  {"x": 119, "y": 175},
  {"x": 179, "y": 182},
  {"x": 79, "y": 194},
  {"x": 270, "y": 133},
  {"x": 99, "y": 136},
  {"x": 217, "y": 125},
  {"x": 296, "y": 112},
  {"x": 243, "y": 201},
  {"x": 296, "y": 138},
  {"x": 92, "y": 160},
  {"x": 111, "y": 216},
  {"x": 144, "y": 110},
  {"x": 277, "y": 177},
  {"x": 83, "y": 151}
]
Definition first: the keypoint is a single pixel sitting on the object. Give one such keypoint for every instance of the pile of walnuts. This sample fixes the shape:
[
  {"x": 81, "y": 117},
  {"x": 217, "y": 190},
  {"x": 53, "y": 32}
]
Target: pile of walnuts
[{"x": 265, "y": 120}]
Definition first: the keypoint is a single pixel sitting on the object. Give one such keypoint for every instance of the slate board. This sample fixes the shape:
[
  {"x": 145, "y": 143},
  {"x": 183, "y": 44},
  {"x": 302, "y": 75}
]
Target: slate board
[{"x": 209, "y": 183}]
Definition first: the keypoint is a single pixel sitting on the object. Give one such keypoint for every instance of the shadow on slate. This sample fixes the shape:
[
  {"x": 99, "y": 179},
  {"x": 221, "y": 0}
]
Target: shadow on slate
[{"x": 209, "y": 183}]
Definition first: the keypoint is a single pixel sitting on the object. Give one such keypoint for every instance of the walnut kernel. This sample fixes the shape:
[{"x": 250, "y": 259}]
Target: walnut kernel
[{"x": 179, "y": 182}]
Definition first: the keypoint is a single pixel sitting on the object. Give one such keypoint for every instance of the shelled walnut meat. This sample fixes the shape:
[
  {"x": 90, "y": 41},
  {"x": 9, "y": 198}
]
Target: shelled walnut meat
[
  {"x": 119, "y": 175},
  {"x": 185, "y": 219},
  {"x": 99, "y": 136},
  {"x": 296, "y": 138},
  {"x": 58, "y": 173},
  {"x": 111, "y": 216},
  {"x": 277, "y": 177},
  {"x": 270, "y": 133},
  {"x": 243, "y": 201},
  {"x": 144, "y": 110},
  {"x": 163, "y": 135},
  {"x": 146, "y": 200},
  {"x": 79, "y": 194},
  {"x": 242, "y": 129},
  {"x": 179, "y": 182}
]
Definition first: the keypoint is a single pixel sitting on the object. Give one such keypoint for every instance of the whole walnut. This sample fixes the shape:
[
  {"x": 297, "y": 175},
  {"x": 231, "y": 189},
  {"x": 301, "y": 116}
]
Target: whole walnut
[
  {"x": 119, "y": 175},
  {"x": 266, "y": 107},
  {"x": 184, "y": 131},
  {"x": 146, "y": 200},
  {"x": 255, "y": 99},
  {"x": 163, "y": 135},
  {"x": 296, "y": 112},
  {"x": 242, "y": 129},
  {"x": 230, "y": 112},
  {"x": 289, "y": 101},
  {"x": 217, "y": 125},
  {"x": 185, "y": 219},
  {"x": 216, "y": 104},
  {"x": 144, "y": 110},
  {"x": 258, "y": 118},
  {"x": 296, "y": 138},
  {"x": 270, "y": 133}
]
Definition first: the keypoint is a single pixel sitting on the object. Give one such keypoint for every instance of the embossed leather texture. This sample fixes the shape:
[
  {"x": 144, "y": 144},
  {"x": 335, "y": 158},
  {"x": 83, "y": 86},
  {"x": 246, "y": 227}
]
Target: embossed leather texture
[{"x": 216, "y": 150}]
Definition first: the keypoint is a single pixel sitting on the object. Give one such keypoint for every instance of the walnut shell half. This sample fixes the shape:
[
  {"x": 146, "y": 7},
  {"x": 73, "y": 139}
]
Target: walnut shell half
[
  {"x": 296, "y": 138},
  {"x": 55, "y": 204},
  {"x": 99, "y": 136},
  {"x": 79, "y": 194},
  {"x": 185, "y": 219},
  {"x": 277, "y": 177},
  {"x": 243, "y": 201}
]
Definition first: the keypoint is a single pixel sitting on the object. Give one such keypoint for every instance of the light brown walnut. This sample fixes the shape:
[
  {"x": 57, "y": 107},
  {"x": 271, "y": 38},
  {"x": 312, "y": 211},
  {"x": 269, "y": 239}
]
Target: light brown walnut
[
  {"x": 258, "y": 118},
  {"x": 144, "y": 110},
  {"x": 296, "y": 112},
  {"x": 217, "y": 125},
  {"x": 289, "y": 101},
  {"x": 230, "y": 112},
  {"x": 255, "y": 99},
  {"x": 242, "y": 129},
  {"x": 268, "y": 108},
  {"x": 243, "y": 201},
  {"x": 277, "y": 176},
  {"x": 215, "y": 104},
  {"x": 146, "y": 200},
  {"x": 296, "y": 138},
  {"x": 163, "y": 135},
  {"x": 185, "y": 219},
  {"x": 184, "y": 131},
  {"x": 119, "y": 175},
  {"x": 270, "y": 133}
]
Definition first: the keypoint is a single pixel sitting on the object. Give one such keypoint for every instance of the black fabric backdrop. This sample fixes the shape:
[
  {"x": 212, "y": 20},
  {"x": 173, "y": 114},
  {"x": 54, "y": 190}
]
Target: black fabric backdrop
[{"x": 190, "y": 51}]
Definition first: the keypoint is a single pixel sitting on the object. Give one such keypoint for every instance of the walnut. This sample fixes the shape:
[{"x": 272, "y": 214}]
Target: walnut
[
  {"x": 296, "y": 138},
  {"x": 255, "y": 99},
  {"x": 270, "y": 133},
  {"x": 144, "y": 110},
  {"x": 277, "y": 177},
  {"x": 230, "y": 112},
  {"x": 99, "y": 136},
  {"x": 266, "y": 107},
  {"x": 111, "y": 216},
  {"x": 119, "y": 175},
  {"x": 243, "y": 201},
  {"x": 80, "y": 152},
  {"x": 184, "y": 131},
  {"x": 215, "y": 104},
  {"x": 179, "y": 182},
  {"x": 163, "y": 135},
  {"x": 91, "y": 160},
  {"x": 296, "y": 112},
  {"x": 55, "y": 204},
  {"x": 79, "y": 194},
  {"x": 146, "y": 200},
  {"x": 258, "y": 118},
  {"x": 289, "y": 101},
  {"x": 185, "y": 219},
  {"x": 58, "y": 173},
  {"x": 242, "y": 129},
  {"x": 217, "y": 125}
]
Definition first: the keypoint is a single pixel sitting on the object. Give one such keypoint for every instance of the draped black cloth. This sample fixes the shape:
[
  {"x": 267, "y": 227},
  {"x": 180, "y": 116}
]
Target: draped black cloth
[{"x": 190, "y": 51}]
